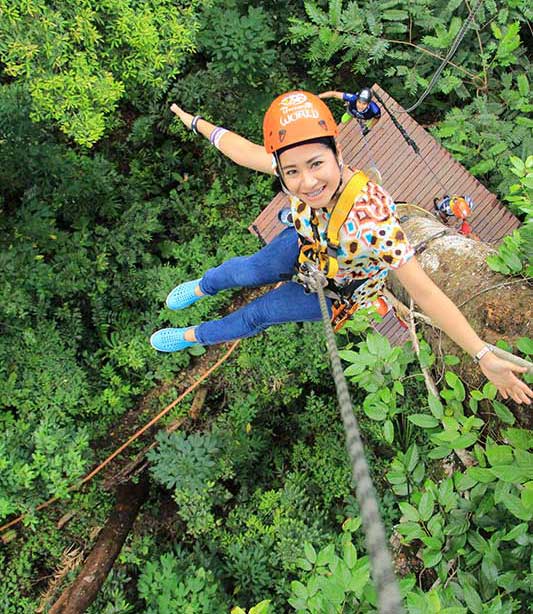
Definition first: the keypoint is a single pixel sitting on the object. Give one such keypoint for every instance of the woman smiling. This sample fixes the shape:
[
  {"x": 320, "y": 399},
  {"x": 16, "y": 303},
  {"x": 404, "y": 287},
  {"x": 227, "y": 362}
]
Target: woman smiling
[{"x": 343, "y": 222}]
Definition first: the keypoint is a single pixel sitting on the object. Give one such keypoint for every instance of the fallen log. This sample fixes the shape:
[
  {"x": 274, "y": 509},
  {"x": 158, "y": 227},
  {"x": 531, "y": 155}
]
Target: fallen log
[
  {"x": 496, "y": 306},
  {"x": 82, "y": 592}
]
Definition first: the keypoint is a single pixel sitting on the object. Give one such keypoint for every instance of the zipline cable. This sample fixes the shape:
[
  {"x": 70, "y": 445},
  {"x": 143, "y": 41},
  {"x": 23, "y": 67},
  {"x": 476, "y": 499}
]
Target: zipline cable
[
  {"x": 449, "y": 55},
  {"x": 409, "y": 140},
  {"x": 387, "y": 588}
]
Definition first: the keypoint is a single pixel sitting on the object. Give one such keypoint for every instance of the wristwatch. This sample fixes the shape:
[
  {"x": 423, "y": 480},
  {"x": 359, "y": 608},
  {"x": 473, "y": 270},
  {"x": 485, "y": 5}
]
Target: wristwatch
[{"x": 484, "y": 350}]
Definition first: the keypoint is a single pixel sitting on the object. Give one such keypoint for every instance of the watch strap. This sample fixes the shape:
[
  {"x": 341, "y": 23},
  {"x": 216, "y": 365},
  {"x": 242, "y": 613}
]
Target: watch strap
[{"x": 484, "y": 350}]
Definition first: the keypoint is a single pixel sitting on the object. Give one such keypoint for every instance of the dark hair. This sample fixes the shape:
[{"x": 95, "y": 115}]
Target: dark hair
[{"x": 328, "y": 141}]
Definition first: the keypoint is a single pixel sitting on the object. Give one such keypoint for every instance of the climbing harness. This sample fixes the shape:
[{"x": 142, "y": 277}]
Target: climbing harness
[
  {"x": 451, "y": 52},
  {"x": 326, "y": 258},
  {"x": 387, "y": 589},
  {"x": 314, "y": 256}
]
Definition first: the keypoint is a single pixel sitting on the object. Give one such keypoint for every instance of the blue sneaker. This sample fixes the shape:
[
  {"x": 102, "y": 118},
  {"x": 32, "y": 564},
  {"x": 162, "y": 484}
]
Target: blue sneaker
[
  {"x": 183, "y": 295},
  {"x": 171, "y": 340}
]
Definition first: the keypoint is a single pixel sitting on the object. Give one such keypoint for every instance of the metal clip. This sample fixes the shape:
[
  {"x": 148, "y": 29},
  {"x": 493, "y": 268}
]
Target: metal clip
[{"x": 311, "y": 277}]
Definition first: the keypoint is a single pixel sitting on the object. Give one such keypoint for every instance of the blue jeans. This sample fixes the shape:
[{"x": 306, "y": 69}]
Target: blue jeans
[{"x": 288, "y": 303}]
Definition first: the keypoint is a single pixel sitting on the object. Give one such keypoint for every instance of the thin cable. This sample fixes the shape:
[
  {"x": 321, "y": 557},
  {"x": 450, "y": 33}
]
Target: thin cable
[
  {"x": 366, "y": 144},
  {"x": 387, "y": 589},
  {"x": 409, "y": 140},
  {"x": 135, "y": 436},
  {"x": 435, "y": 176},
  {"x": 449, "y": 55}
]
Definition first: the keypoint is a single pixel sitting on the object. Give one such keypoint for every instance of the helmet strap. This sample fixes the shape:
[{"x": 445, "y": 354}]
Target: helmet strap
[
  {"x": 340, "y": 164},
  {"x": 279, "y": 173}
]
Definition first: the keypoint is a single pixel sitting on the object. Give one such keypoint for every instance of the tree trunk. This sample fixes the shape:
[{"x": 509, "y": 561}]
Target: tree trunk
[
  {"x": 80, "y": 595},
  {"x": 496, "y": 306}
]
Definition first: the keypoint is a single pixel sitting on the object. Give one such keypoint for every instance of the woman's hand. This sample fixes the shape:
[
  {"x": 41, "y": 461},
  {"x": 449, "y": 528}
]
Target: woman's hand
[
  {"x": 185, "y": 117},
  {"x": 500, "y": 373}
]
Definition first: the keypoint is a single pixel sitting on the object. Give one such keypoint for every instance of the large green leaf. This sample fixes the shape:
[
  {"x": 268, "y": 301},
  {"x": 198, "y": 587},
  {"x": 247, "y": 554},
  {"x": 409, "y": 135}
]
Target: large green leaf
[{"x": 423, "y": 420}]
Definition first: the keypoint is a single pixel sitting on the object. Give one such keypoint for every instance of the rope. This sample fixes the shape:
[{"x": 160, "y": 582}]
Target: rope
[
  {"x": 409, "y": 140},
  {"x": 402, "y": 130},
  {"x": 135, "y": 436},
  {"x": 367, "y": 144},
  {"x": 449, "y": 55},
  {"x": 388, "y": 592}
]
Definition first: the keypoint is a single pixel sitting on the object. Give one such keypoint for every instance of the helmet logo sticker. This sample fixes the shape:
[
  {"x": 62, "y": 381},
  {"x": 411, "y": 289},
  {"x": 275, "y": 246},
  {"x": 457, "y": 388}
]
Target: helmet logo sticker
[
  {"x": 282, "y": 134},
  {"x": 296, "y": 106},
  {"x": 323, "y": 124},
  {"x": 298, "y": 113},
  {"x": 293, "y": 100}
]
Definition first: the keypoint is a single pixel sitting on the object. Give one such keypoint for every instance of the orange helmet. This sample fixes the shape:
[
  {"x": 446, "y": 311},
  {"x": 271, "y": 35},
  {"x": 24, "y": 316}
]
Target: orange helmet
[
  {"x": 294, "y": 117},
  {"x": 461, "y": 206}
]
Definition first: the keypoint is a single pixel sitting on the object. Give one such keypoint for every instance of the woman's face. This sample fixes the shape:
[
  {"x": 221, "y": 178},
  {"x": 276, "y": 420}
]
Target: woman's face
[{"x": 311, "y": 173}]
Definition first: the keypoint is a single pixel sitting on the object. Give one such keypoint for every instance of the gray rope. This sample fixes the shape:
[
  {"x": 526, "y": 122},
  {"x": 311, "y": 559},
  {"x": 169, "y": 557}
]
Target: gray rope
[
  {"x": 449, "y": 55},
  {"x": 388, "y": 592},
  {"x": 366, "y": 144}
]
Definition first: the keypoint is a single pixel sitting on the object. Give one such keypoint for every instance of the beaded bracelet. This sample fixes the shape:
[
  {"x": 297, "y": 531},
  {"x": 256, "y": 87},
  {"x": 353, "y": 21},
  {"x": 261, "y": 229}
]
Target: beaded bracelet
[{"x": 194, "y": 123}]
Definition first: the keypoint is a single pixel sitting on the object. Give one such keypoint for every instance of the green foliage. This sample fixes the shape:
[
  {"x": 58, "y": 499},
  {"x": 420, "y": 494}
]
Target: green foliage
[
  {"x": 43, "y": 450},
  {"x": 78, "y": 62},
  {"x": 168, "y": 587},
  {"x": 240, "y": 47},
  {"x": 112, "y": 597},
  {"x": 405, "y": 40},
  {"x": 191, "y": 467},
  {"x": 376, "y": 364},
  {"x": 483, "y": 134},
  {"x": 378, "y": 368},
  {"x": 261, "y": 539},
  {"x": 319, "y": 454},
  {"x": 237, "y": 70},
  {"x": 93, "y": 239},
  {"x": 260, "y": 608},
  {"x": 515, "y": 254},
  {"x": 333, "y": 582}
]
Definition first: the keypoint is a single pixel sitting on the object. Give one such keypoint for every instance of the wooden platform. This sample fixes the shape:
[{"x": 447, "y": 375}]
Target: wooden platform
[{"x": 408, "y": 178}]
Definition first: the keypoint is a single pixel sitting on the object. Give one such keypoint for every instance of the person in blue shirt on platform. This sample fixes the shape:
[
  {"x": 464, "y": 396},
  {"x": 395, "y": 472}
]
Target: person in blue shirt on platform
[{"x": 360, "y": 106}]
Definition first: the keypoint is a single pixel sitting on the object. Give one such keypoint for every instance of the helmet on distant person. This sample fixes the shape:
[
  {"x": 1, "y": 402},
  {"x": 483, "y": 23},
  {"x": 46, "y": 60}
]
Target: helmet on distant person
[
  {"x": 365, "y": 95},
  {"x": 461, "y": 206},
  {"x": 295, "y": 117}
]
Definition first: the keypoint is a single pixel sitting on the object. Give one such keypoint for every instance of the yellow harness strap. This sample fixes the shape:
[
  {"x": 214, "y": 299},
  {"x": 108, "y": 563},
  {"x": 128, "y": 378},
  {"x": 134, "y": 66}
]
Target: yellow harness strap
[
  {"x": 344, "y": 206},
  {"x": 327, "y": 258}
]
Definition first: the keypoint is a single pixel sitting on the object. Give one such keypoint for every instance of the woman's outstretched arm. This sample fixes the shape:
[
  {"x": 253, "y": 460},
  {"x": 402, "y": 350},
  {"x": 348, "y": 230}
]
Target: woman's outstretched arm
[
  {"x": 447, "y": 316},
  {"x": 332, "y": 94},
  {"x": 242, "y": 151}
]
